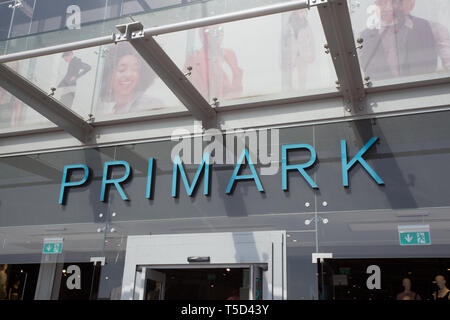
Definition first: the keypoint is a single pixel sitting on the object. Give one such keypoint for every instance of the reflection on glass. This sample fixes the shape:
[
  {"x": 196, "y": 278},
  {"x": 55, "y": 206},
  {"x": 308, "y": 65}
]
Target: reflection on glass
[
  {"x": 68, "y": 77},
  {"x": 75, "y": 69},
  {"x": 11, "y": 108},
  {"x": 254, "y": 58},
  {"x": 5, "y": 21},
  {"x": 209, "y": 64},
  {"x": 125, "y": 82},
  {"x": 153, "y": 290},
  {"x": 13, "y": 112},
  {"x": 402, "y": 38},
  {"x": 297, "y": 50}
]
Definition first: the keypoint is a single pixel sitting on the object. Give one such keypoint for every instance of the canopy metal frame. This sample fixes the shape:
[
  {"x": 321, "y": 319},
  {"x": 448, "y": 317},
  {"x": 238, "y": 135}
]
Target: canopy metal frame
[
  {"x": 335, "y": 20},
  {"x": 45, "y": 104},
  {"x": 335, "y": 17}
]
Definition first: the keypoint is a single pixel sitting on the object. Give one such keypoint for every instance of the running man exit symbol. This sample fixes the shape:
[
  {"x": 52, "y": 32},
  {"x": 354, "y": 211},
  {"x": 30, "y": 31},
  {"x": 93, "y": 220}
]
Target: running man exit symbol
[
  {"x": 53, "y": 246},
  {"x": 414, "y": 235}
]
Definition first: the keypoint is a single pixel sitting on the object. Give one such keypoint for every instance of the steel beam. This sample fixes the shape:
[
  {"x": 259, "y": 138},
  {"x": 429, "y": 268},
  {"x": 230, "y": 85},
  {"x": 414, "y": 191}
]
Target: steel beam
[
  {"x": 235, "y": 16},
  {"x": 342, "y": 47},
  {"x": 169, "y": 73},
  {"x": 46, "y": 105},
  {"x": 191, "y": 24},
  {"x": 72, "y": 46}
]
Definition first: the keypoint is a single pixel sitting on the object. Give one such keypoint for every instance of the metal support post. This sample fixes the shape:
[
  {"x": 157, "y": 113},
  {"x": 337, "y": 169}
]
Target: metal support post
[{"x": 341, "y": 46}]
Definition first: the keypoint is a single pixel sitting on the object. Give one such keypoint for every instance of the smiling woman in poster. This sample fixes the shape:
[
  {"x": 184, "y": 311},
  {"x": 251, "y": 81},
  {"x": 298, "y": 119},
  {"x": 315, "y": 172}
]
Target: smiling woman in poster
[{"x": 126, "y": 78}]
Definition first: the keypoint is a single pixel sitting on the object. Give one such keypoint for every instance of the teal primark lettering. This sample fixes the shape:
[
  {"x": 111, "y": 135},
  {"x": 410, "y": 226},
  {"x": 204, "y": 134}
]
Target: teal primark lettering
[{"x": 203, "y": 173}]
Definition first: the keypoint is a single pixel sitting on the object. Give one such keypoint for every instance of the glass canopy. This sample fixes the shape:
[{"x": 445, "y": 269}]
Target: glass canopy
[
  {"x": 30, "y": 24},
  {"x": 262, "y": 58},
  {"x": 402, "y": 38},
  {"x": 270, "y": 55}
]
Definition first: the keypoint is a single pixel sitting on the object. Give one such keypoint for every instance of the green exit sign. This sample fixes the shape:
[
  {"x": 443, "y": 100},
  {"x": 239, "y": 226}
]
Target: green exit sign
[
  {"x": 53, "y": 246},
  {"x": 414, "y": 235}
]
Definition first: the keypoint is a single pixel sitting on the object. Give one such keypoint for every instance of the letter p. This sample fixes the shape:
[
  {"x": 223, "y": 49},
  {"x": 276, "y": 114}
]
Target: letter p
[{"x": 67, "y": 184}]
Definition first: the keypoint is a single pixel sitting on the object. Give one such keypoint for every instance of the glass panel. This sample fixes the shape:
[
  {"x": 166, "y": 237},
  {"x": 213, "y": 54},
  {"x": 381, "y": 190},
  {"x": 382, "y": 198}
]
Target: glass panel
[
  {"x": 402, "y": 38},
  {"x": 99, "y": 82},
  {"x": 51, "y": 245},
  {"x": 153, "y": 290},
  {"x": 301, "y": 272},
  {"x": 22, "y": 16},
  {"x": 127, "y": 85},
  {"x": 68, "y": 77},
  {"x": 365, "y": 219},
  {"x": 277, "y": 55},
  {"x": 401, "y": 278},
  {"x": 13, "y": 112},
  {"x": 51, "y": 23},
  {"x": 201, "y": 284},
  {"x": 5, "y": 23}
]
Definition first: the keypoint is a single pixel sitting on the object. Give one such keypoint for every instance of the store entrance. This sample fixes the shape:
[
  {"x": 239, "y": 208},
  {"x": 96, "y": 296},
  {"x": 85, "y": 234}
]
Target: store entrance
[
  {"x": 200, "y": 282},
  {"x": 381, "y": 279},
  {"x": 204, "y": 266}
]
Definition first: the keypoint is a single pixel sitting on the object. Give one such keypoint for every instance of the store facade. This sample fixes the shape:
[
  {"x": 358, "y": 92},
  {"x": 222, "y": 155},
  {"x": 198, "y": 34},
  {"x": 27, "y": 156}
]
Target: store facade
[{"x": 290, "y": 196}]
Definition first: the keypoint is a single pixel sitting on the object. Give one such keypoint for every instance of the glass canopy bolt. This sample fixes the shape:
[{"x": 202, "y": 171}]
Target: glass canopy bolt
[
  {"x": 53, "y": 89},
  {"x": 360, "y": 42},
  {"x": 308, "y": 221},
  {"x": 215, "y": 101},
  {"x": 16, "y": 4},
  {"x": 338, "y": 85},
  {"x": 190, "y": 71},
  {"x": 327, "y": 49},
  {"x": 367, "y": 82}
]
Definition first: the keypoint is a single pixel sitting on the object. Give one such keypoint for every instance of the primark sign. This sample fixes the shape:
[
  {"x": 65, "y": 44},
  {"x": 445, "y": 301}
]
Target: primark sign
[{"x": 208, "y": 151}]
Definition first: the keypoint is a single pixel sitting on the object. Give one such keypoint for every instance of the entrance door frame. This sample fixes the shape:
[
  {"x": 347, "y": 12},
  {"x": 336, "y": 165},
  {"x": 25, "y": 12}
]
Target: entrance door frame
[
  {"x": 224, "y": 249},
  {"x": 139, "y": 287}
]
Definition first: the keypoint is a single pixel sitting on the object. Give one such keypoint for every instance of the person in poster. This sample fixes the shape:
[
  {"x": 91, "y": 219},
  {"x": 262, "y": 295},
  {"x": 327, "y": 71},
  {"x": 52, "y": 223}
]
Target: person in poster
[
  {"x": 297, "y": 50},
  {"x": 125, "y": 80},
  {"x": 75, "y": 69},
  {"x": 215, "y": 70},
  {"x": 402, "y": 44}
]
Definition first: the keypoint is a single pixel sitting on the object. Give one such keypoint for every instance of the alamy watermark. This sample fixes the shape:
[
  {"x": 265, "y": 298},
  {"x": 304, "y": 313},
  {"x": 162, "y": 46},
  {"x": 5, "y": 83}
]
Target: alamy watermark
[{"x": 225, "y": 147}]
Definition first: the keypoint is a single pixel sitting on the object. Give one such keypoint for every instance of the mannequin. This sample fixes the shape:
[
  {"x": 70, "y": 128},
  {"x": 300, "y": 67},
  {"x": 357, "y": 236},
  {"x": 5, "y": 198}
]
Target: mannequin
[
  {"x": 407, "y": 294},
  {"x": 3, "y": 281},
  {"x": 443, "y": 293}
]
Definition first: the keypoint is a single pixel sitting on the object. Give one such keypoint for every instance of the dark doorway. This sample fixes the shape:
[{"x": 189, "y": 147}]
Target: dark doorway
[
  {"x": 19, "y": 281},
  {"x": 346, "y": 279},
  {"x": 200, "y": 284}
]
